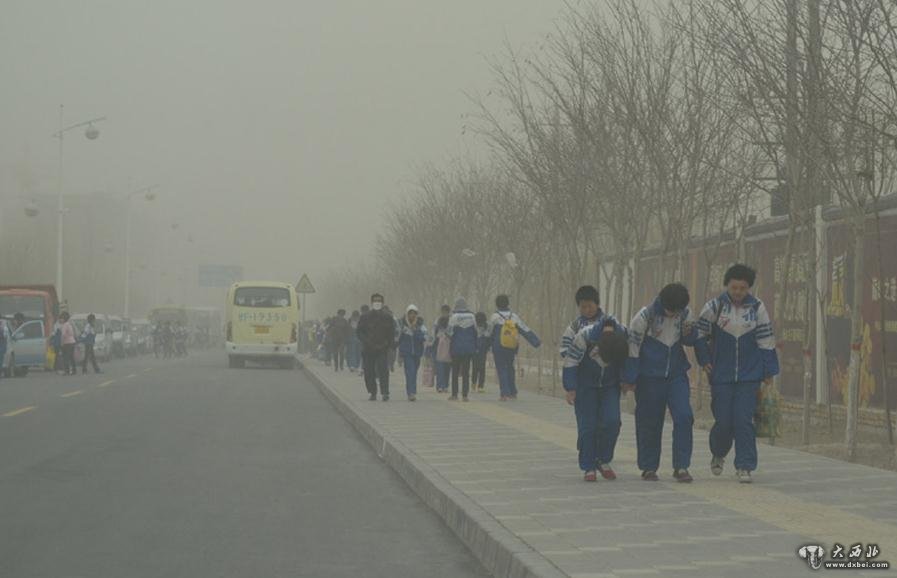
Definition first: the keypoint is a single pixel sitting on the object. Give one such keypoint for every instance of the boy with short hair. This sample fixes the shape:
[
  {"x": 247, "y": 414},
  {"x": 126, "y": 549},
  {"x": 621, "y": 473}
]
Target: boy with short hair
[{"x": 591, "y": 380}]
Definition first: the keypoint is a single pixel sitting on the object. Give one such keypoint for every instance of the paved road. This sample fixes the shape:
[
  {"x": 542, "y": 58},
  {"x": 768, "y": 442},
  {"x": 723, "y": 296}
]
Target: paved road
[{"x": 190, "y": 469}]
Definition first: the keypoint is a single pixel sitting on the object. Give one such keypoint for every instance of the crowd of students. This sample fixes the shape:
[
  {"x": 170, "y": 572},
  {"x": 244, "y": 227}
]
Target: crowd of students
[
  {"x": 453, "y": 355},
  {"x": 732, "y": 339}
]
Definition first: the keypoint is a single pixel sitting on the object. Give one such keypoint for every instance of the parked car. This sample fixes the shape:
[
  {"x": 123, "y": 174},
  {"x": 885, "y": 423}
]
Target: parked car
[
  {"x": 101, "y": 346},
  {"x": 27, "y": 348}
]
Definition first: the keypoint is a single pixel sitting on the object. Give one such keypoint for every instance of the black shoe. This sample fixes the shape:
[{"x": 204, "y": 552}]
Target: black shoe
[{"x": 385, "y": 398}]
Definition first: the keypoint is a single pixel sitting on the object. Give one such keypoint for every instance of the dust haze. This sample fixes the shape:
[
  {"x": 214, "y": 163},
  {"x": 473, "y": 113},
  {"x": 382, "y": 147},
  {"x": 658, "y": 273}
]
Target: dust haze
[{"x": 277, "y": 132}]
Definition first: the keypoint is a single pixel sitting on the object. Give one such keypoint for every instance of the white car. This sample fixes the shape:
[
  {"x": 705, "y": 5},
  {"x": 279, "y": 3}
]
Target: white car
[{"x": 101, "y": 344}]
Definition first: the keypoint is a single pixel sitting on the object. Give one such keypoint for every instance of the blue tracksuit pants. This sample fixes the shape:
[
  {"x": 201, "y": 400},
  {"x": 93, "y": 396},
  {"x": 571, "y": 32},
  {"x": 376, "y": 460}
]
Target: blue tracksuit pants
[
  {"x": 597, "y": 423},
  {"x": 733, "y": 406},
  {"x": 652, "y": 398}
]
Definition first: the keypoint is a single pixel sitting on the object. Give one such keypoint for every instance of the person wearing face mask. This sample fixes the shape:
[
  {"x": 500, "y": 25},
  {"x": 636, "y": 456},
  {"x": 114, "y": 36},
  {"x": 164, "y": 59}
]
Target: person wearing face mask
[
  {"x": 737, "y": 348},
  {"x": 377, "y": 333},
  {"x": 412, "y": 339}
]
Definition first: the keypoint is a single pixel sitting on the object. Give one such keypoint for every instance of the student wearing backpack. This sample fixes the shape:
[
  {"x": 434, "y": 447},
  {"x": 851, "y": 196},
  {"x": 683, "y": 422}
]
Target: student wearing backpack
[
  {"x": 462, "y": 330},
  {"x": 593, "y": 350},
  {"x": 412, "y": 337},
  {"x": 442, "y": 350},
  {"x": 505, "y": 329},
  {"x": 658, "y": 371},
  {"x": 736, "y": 348}
]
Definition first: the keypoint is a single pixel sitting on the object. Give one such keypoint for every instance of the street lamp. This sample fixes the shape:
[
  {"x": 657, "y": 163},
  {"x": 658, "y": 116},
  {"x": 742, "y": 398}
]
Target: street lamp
[
  {"x": 91, "y": 132},
  {"x": 148, "y": 195}
]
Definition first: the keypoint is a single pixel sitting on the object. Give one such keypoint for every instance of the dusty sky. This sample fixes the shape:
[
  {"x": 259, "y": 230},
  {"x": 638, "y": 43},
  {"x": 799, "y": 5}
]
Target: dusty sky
[{"x": 279, "y": 129}]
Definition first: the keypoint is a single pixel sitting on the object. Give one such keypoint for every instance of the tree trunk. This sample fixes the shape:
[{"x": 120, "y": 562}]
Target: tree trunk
[
  {"x": 883, "y": 334},
  {"x": 856, "y": 335},
  {"x": 810, "y": 289}
]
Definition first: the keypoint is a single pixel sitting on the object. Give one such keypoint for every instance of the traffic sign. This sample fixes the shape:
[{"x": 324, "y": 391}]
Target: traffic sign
[{"x": 304, "y": 285}]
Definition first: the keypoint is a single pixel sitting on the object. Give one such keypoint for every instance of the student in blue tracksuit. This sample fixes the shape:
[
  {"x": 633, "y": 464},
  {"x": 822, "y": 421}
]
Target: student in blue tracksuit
[
  {"x": 504, "y": 330},
  {"x": 737, "y": 349},
  {"x": 594, "y": 355},
  {"x": 462, "y": 330},
  {"x": 595, "y": 391},
  {"x": 658, "y": 370},
  {"x": 412, "y": 340}
]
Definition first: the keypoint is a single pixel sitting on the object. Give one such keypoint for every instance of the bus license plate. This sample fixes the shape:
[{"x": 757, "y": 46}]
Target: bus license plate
[{"x": 261, "y": 329}]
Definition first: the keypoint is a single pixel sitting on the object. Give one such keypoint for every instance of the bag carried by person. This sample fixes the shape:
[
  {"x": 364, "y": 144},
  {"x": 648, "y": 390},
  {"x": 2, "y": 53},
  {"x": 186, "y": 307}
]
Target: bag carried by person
[
  {"x": 510, "y": 336},
  {"x": 768, "y": 416},
  {"x": 444, "y": 349},
  {"x": 427, "y": 377}
]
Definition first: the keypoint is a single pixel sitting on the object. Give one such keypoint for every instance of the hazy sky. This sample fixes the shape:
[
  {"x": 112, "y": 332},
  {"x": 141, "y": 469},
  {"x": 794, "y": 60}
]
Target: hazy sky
[{"x": 280, "y": 128}]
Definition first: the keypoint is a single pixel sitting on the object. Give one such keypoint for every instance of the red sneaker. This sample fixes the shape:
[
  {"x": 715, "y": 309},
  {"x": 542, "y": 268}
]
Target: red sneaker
[
  {"x": 591, "y": 476},
  {"x": 650, "y": 476},
  {"x": 607, "y": 472}
]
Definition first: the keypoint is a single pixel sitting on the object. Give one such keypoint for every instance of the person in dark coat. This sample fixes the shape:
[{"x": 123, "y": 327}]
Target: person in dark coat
[{"x": 377, "y": 333}]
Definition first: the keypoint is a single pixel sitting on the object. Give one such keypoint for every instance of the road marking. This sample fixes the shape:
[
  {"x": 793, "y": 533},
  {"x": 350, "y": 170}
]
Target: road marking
[
  {"x": 828, "y": 524},
  {"x": 106, "y": 383},
  {"x": 148, "y": 369},
  {"x": 19, "y": 411},
  {"x": 130, "y": 376},
  {"x": 72, "y": 393}
]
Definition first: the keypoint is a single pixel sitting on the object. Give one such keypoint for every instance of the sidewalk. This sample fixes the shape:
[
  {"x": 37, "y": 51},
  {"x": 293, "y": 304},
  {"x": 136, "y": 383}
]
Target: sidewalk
[{"x": 504, "y": 477}]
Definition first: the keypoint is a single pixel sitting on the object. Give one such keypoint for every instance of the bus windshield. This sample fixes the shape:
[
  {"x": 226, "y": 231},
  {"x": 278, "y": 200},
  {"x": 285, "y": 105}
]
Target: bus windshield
[{"x": 262, "y": 297}]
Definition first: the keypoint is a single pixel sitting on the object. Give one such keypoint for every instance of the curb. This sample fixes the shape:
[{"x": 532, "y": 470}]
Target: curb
[{"x": 501, "y": 552}]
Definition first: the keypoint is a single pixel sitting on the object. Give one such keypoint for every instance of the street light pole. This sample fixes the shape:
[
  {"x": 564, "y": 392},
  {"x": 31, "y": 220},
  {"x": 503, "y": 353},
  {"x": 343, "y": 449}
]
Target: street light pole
[
  {"x": 91, "y": 133},
  {"x": 60, "y": 209}
]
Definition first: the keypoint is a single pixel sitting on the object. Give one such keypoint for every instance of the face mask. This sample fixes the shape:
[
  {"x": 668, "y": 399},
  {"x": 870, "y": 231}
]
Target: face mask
[{"x": 376, "y": 306}]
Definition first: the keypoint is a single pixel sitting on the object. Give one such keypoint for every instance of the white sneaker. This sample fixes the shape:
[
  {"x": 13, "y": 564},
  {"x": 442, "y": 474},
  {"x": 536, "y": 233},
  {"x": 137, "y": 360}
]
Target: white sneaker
[
  {"x": 716, "y": 465},
  {"x": 744, "y": 476}
]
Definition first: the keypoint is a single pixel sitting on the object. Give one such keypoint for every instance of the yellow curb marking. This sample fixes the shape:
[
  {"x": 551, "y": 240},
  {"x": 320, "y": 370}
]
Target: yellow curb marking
[
  {"x": 72, "y": 393},
  {"x": 106, "y": 383}
]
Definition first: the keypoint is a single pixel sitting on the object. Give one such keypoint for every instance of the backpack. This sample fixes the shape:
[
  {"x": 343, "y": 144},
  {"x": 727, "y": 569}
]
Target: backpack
[
  {"x": 444, "y": 349},
  {"x": 2, "y": 335},
  {"x": 510, "y": 336}
]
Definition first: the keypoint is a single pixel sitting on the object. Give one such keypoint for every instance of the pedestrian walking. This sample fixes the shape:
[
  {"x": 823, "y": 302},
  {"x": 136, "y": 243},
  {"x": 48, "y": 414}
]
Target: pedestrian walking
[
  {"x": 657, "y": 369},
  {"x": 478, "y": 377},
  {"x": 68, "y": 344},
  {"x": 505, "y": 330},
  {"x": 377, "y": 333},
  {"x": 337, "y": 337},
  {"x": 593, "y": 385},
  {"x": 442, "y": 350},
  {"x": 412, "y": 340},
  {"x": 462, "y": 330},
  {"x": 736, "y": 347},
  {"x": 88, "y": 338}
]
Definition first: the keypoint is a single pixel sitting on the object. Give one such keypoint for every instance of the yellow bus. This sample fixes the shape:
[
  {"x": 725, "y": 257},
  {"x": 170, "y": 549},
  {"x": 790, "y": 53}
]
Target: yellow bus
[{"x": 262, "y": 323}]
